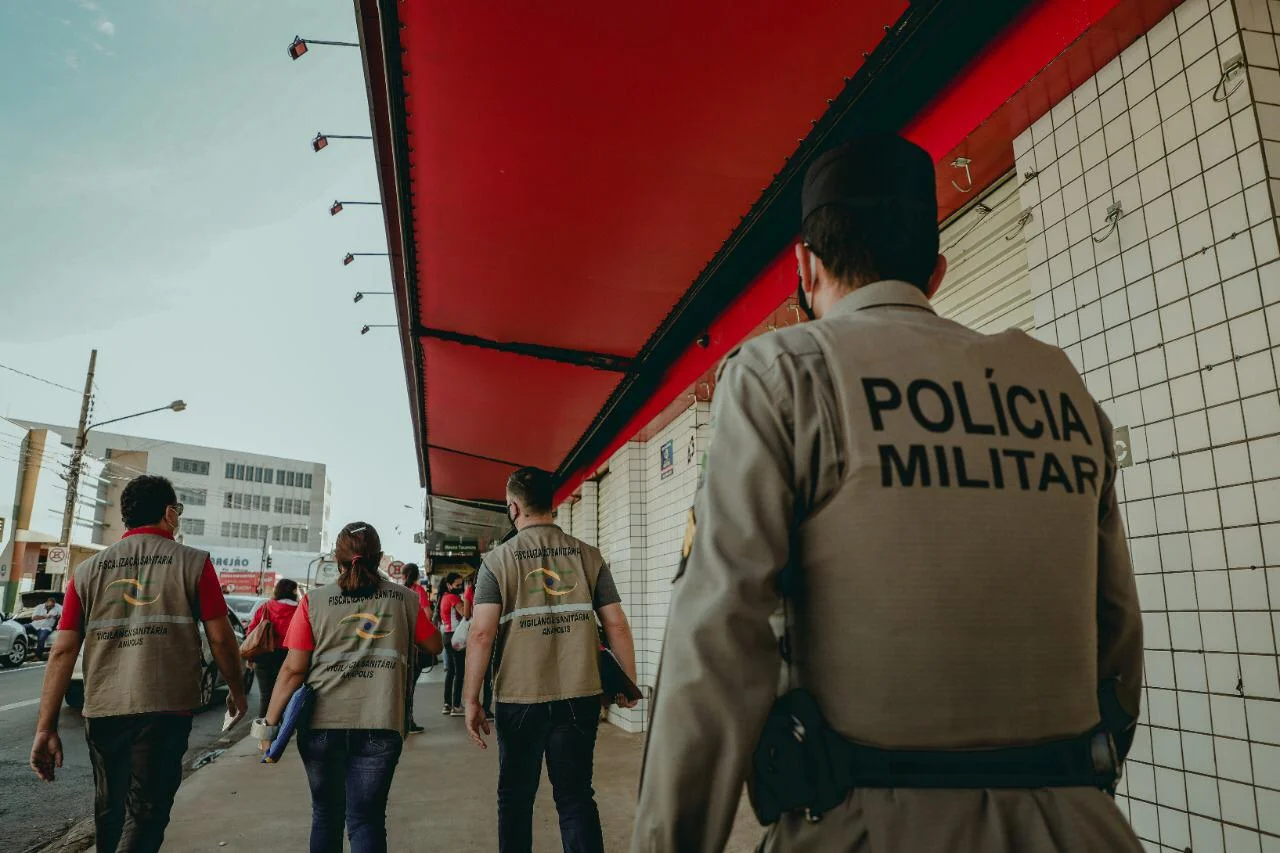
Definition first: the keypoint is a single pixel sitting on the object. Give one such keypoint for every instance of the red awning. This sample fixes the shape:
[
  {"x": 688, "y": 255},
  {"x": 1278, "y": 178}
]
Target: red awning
[{"x": 555, "y": 178}]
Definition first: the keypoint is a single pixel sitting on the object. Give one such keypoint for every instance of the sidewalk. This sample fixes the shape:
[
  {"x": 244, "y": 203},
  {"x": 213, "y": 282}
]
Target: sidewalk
[{"x": 238, "y": 804}]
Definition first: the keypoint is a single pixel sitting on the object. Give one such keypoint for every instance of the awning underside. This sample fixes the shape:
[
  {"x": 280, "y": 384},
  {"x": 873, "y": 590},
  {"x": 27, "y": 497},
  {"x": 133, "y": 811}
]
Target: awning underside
[{"x": 571, "y": 172}]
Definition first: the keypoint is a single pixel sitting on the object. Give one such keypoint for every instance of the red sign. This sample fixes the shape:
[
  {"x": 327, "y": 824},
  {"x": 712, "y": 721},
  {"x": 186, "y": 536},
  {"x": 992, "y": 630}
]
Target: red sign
[
  {"x": 247, "y": 583},
  {"x": 396, "y": 570}
]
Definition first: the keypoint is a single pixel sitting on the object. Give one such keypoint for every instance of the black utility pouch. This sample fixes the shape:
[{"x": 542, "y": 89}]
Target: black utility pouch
[{"x": 799, "y": 762}]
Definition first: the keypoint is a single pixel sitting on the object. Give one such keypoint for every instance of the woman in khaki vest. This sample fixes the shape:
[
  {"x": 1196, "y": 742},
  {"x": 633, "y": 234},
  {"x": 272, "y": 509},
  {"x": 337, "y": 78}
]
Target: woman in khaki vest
[{"x": 350, "y": 641}]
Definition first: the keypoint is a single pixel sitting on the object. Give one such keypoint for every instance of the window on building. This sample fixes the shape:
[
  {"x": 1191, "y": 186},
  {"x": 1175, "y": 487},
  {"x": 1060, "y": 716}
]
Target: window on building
[
  {"x": 239, "y": 472},
  {"x": 226, "y": 530},
  {"x": 226, "y": 500},
  {"x": 257, "y": 475},
  {"x": 190, "y": 466},
  {"x": 307, "y": 480},
  {"x": 288, "y": 478},
  {"x": 267, "y": 474},
  {"x": 235, "y": 530},
  {"x": 231, "y": 470},
  {"x": 192, "y": 497},
  {"x": 280, "y": 477},
  {"x": 304, "y": 535},
  {"x": 193, "y": 526},
  {"x": 306, "y": 508},
  {"x": 279, "y": 504}
]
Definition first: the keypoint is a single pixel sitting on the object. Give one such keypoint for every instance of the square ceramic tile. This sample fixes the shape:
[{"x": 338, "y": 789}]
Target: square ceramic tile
[
  {"x": 1086, "y": 284},
  {"x": 1264, "y": 457},
  {"x": 1195, "y": 235},
  {"x": 1180, "y": 356},
  {"x": 1249, "y": 589},
  {"x": 1186, "y": 393},
  {"x": 1244, "y": 550},
  {"x": 1223, "y": 181},
  {"x": 1262, "y": 415},
  {"x": 1249, "y": 333},
  {"x": 1229, "y": 218},
  {"x": 1238, "y": 804},
  {"x": 1231, "y": 465},
  {"x": 1197, "y": 471},
  {"x": 1218, "y": 632},
  {"x": 1237, "y": 505},
  {"x": 1189, "y": 198},
  {"x": 1117, "y": 133},
  {"x": 1197, "y": 40},
  {"x": 1265, "y": 247},
  {"x": 1192, "y": 431},
  {"x": 1257, "y": 202},
  {"x": 1208, "y": 308},
  {"x": 1184, "y": 158},
  {"x": 1159, "y": 214},
  {"x": 1265, "y": 84},
  {"x": 1146, "y": 330},
  {"x": 1236, "y": 255},
  {"x": 1226, "y": 425},
  {"x": 1259, "y": 675},
  {"x": 1203, "y": 513},
  {"x": 1171, "y": 285},
  {"x": 1242, "y": 294},
  {"x": 1267, "y": 498}
]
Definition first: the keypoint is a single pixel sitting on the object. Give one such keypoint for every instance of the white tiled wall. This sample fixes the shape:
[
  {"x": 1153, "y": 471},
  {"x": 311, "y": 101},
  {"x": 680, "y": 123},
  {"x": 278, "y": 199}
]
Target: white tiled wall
[
  {"x": 1174, "y": 319},
  {"x": 622, "y": 541}
]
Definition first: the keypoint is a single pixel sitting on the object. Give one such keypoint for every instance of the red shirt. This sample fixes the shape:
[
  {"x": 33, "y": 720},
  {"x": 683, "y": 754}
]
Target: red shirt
[
  {"x": 450, "y": 602},
  {"x": 280, "y": 612},
  {"x": 424, "y": 598},
  {"x": 208, "y": 594},
  {"x": 301, "y": 638}
]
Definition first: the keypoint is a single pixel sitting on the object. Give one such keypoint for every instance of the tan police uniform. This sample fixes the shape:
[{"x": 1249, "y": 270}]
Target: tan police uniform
[
  {"x": 360, "y": 664},
  {"x": 549, "y": 646},
  {"x": 141, "y": 641},
  {"x": 950, "y": 500}
]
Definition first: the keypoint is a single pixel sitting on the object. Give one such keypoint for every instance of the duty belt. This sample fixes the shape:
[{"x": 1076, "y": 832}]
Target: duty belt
[{"x": 802, "y": 764}]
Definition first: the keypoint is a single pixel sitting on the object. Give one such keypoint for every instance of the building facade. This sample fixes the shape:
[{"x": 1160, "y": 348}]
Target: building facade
[{"x": 239, "y": 506}]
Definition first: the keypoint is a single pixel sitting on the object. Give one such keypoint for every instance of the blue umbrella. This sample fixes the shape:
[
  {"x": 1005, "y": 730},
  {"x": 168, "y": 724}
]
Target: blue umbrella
[{"x": 295, "y": 714}]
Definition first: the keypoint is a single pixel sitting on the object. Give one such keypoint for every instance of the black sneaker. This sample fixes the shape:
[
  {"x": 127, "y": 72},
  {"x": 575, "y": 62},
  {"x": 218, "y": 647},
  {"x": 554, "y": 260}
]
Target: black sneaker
[{"x": 415, "y": 729}]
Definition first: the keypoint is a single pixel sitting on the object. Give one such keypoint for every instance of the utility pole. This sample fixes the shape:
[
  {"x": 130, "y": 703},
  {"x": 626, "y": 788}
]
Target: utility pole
[{"x": 77, "y": 454}]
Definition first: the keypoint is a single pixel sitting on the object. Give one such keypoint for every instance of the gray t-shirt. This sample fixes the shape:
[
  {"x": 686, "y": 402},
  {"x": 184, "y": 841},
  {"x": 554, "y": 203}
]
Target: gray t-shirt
[{"x": 606, "y": 592}]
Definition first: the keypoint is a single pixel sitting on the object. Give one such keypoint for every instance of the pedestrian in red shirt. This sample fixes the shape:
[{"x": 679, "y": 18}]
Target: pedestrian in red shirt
[
  {"x": 422, "y": 660},
  {"x": 134, "y": 609},
  {"x": 279, "y": 611},
  {"x": 350, "y": 642},
  {"x": 452, "y": 611}
]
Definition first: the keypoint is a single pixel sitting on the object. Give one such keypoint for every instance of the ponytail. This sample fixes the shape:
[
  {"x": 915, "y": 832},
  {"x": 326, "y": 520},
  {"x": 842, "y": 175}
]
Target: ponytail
[{"x": 358, "y": 550}]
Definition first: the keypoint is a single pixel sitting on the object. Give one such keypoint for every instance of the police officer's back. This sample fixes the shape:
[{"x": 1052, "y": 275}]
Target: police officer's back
[{"x": 943, "y": 502}]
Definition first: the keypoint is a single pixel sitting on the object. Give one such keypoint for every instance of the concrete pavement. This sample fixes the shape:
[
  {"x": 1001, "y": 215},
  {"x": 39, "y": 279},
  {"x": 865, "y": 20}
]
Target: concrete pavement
[{"x": 442, "y": 798}]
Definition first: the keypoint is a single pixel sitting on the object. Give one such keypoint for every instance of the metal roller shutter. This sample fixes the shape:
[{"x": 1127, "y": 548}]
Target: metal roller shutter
[{"x": 986, "y": 287}]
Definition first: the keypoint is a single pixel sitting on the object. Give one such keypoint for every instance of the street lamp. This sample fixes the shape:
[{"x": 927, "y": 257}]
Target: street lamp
[
  {"x": 361, "y": 294},
  {"x": 336, "y": 207},
  {"x": 77, "y": 454},
  {"x": 299, "y": 45},
  {"x": 364, "y": 330},
  {"x": 322, "y": 140},
  {"x": 351, "y": 256}
]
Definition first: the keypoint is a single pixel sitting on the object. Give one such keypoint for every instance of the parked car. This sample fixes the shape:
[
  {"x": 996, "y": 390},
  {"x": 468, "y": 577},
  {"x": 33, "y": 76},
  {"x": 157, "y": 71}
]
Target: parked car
[
  {"x": 245, "y": 606},
  {"x": 13, "y": 642},
  {"x": 210, "y": 677}
]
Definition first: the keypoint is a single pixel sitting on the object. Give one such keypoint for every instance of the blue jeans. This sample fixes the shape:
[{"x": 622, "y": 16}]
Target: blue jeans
[
  {"x": 42, "y": 637},
  {"x": 350, "y": 772},
  {"x": 565, "y": 732}
]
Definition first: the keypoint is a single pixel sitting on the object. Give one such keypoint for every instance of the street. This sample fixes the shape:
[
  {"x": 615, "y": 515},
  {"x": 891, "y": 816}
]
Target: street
[{"x": 33, "y": 813}]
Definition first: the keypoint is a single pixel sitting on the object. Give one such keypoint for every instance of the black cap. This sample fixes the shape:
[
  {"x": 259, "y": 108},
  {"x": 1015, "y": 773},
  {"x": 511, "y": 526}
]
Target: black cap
[{"x": 876, "y": 168}]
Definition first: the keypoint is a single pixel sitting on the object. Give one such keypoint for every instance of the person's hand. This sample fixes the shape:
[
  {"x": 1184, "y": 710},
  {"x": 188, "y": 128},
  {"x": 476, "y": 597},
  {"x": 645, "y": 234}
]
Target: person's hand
[
  {"x": 476, "y": 723},
  {"x": 46, "y": 754},
  {"x": 623, "y": 702},
  {"x": 237, "y": 706}
]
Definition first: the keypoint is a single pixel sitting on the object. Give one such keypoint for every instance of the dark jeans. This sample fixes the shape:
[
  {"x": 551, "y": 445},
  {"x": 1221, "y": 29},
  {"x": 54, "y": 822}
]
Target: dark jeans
[
  {"x": 420, "y": 663},
  {"x": 350, "y": 773},
  {"x": 267, "y": 669},
  {"x": 137, "y": 767},
  {"x": 457, "y": 663},
  {"x": 566, "y": 733},
  {"x": 42, "y": 637}
]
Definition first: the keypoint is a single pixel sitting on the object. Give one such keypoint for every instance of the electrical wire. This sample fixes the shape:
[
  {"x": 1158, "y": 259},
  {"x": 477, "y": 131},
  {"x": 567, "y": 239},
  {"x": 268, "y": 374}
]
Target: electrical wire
[{"x": 39, "y": 378}]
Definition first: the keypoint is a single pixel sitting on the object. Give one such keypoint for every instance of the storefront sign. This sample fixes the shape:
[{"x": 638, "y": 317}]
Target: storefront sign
[
  {"x": 396, "y": 571},
  {"x": 667, "y": 459},
  {"x": 247, "y": 583},
  {"x": 1124, "y": 450}
]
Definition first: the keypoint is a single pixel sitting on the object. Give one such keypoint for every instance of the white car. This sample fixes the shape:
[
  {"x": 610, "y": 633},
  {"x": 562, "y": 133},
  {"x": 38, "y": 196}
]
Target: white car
[
  {"x": 13, "y": 642},
  {"x": 245, "y": 606},
  {"x": 210, "y": 677}
]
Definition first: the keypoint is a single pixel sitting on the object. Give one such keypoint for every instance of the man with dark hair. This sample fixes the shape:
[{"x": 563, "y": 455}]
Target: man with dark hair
[
  {"x": 134, "y": 607},
  {"x": 536, "y": 594},
  {"x": 912, "y": 529}
]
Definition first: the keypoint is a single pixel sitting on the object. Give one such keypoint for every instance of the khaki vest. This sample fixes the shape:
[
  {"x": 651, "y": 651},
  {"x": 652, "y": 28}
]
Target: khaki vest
[
  {"x": 969, "y": 510},
  {"x": 360, "y": 666},
  {"x": 549, "y": 646},
  {"x": 141, "y": 641}
]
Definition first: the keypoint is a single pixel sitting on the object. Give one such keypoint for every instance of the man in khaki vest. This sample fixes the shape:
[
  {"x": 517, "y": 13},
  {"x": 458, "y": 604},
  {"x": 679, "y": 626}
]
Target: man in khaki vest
[
  {"x": 536, "y": 594},
  {"x": 135, "y": 607},
  {"x": 957, "y": 580}
]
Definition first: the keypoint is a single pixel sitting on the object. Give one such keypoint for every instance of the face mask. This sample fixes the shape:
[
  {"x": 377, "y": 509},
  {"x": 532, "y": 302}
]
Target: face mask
[{"x": 803, "y": 300}]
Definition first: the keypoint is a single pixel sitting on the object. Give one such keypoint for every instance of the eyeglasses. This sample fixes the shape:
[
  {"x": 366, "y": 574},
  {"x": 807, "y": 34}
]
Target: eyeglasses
[{"x": 178, "y": 507}]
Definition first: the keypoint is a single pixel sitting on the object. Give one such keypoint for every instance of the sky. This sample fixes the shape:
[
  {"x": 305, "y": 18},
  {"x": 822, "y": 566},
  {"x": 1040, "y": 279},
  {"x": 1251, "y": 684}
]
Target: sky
[{"x": 162, "y": 203}]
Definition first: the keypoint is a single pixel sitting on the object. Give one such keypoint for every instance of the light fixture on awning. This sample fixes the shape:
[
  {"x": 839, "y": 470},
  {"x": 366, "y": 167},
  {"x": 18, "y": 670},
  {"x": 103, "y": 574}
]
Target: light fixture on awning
[
  {"x": 299, "y": 45},
  {"x": 351, "y": 256},
  {"x": 322, "y": 140},
  {"x": 336, "y": 207},
  {"x": 364, "y": 330},
  {"x": 361, "y": 294}
]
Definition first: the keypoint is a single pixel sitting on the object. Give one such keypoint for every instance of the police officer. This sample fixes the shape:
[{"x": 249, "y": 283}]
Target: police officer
[
  {"x": 135, "y": 608},
  {"x": 936, "y": 509}
]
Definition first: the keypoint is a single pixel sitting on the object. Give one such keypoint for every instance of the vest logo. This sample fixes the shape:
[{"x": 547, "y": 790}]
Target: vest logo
[
  {"x": 133, "y": 592},
  {"x": 549, "y": 582},
  {"x": 369, "y": 625}
]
